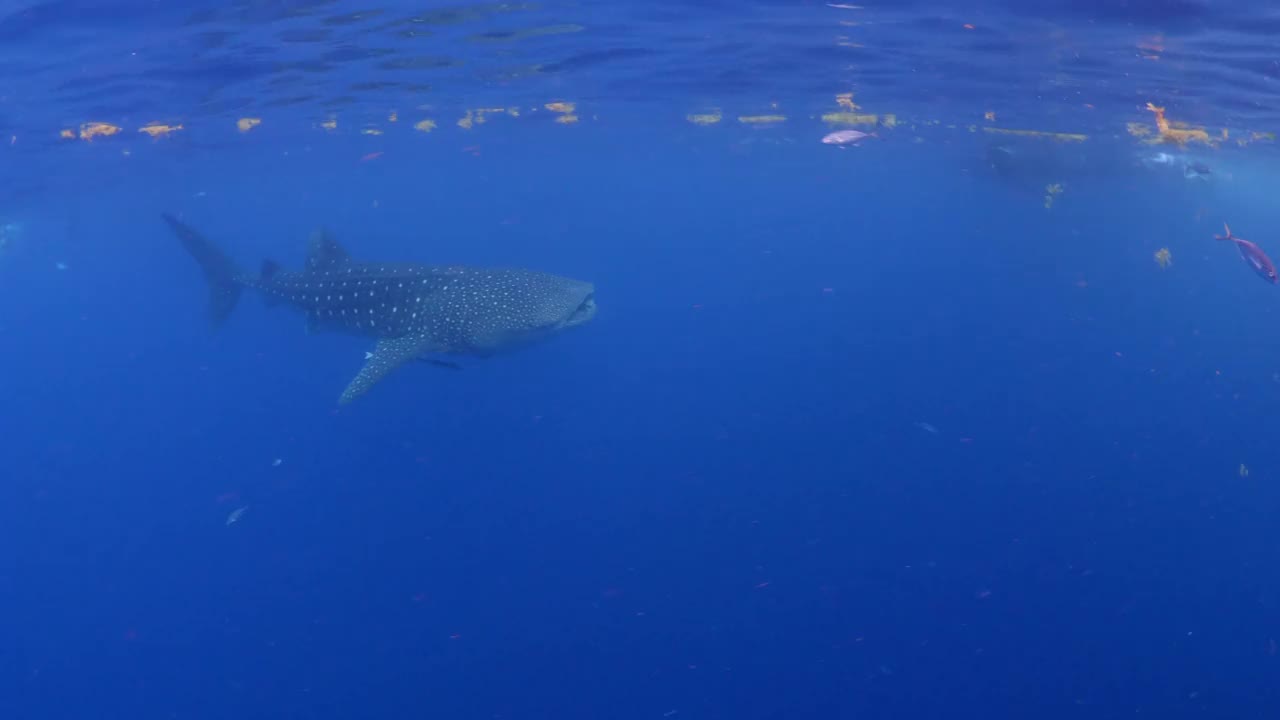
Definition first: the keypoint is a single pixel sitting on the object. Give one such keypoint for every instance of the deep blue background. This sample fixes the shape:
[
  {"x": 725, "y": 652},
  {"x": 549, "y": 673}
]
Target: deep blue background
[{"x": 716, "y": 500}]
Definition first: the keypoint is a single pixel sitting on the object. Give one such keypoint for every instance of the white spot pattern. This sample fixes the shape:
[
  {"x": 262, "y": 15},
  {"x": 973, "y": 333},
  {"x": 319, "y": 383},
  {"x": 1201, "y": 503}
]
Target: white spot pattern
[{"x": 448, "y": 310}]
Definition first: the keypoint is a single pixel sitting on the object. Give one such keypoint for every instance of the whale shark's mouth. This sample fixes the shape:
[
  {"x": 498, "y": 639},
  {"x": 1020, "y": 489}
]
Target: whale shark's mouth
[{"x": 584, "y": 312}]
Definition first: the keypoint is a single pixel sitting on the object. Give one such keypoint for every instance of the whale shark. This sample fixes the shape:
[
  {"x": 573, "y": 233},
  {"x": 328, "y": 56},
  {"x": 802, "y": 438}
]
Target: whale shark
[{"x": 412, "y": 310}]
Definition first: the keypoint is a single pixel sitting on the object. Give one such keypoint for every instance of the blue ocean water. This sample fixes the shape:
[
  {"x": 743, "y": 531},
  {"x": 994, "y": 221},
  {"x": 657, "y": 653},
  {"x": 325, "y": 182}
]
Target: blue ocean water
[{"x": 971, "y": 419}]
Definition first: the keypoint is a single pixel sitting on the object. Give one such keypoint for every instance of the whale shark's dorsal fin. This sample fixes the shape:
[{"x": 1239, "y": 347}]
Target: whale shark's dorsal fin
[{"x": 324, "y": 253}]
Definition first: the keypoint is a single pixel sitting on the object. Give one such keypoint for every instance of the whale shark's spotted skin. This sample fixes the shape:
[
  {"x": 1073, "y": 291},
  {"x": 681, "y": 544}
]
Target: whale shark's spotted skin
[{"x": 411, "y": 309}]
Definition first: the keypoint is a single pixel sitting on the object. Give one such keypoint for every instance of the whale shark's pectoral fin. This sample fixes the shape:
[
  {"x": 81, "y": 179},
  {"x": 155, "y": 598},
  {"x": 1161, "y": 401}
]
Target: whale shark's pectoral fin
[{"x": 389, "y": 354}]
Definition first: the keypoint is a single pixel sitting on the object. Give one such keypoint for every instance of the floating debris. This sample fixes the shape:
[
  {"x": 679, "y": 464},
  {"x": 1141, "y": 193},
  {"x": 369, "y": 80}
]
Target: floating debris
[
  {"x": 850, "y": 118},
  {"x": 158, "y": 130},
  {"x": 1174, "y": 133},
  {"x": 89, "y": 131},
  {"x": 476, "y": 116},
  {"x": 1057, "y": 137},
  {"x": 1164, "y": 258},
  {"x": 565, "y": 110},
  {"x": 1051, "y": 193},
  {"x": 707, "y": 118},
  {"x": 761, "y": 119},
  {"x": 235, "y": 514}
]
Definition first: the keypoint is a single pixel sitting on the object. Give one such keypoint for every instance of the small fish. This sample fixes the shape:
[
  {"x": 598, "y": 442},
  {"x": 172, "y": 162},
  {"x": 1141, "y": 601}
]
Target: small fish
[
  {"x": 845, "y": 137},
  {"x": 235, "y": 515},
  {"x": 448, "y": 364},
  {"x": 1196, "y": 171},
  {"x": 1253, "y": 255}
]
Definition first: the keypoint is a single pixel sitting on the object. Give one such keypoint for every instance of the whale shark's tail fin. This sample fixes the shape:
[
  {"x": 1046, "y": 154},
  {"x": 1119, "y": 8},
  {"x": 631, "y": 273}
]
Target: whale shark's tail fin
[{"x": 219, "y": 270}]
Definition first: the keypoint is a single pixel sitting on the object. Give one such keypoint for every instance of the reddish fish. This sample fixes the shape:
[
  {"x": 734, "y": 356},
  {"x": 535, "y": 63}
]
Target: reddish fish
[
  {"x": 845, "y": 137},
  {"x": 1253, "y": 255}
]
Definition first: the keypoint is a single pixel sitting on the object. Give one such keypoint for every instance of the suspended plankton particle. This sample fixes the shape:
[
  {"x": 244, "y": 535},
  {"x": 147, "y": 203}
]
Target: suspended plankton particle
[
  {"x": 246, "y": 124},
  {"x": 1164, "y": 258},
  {"x": 424, "y": 126},
  {"x": 235, "y": 515},
  {"x": 277, "y": 462}
]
